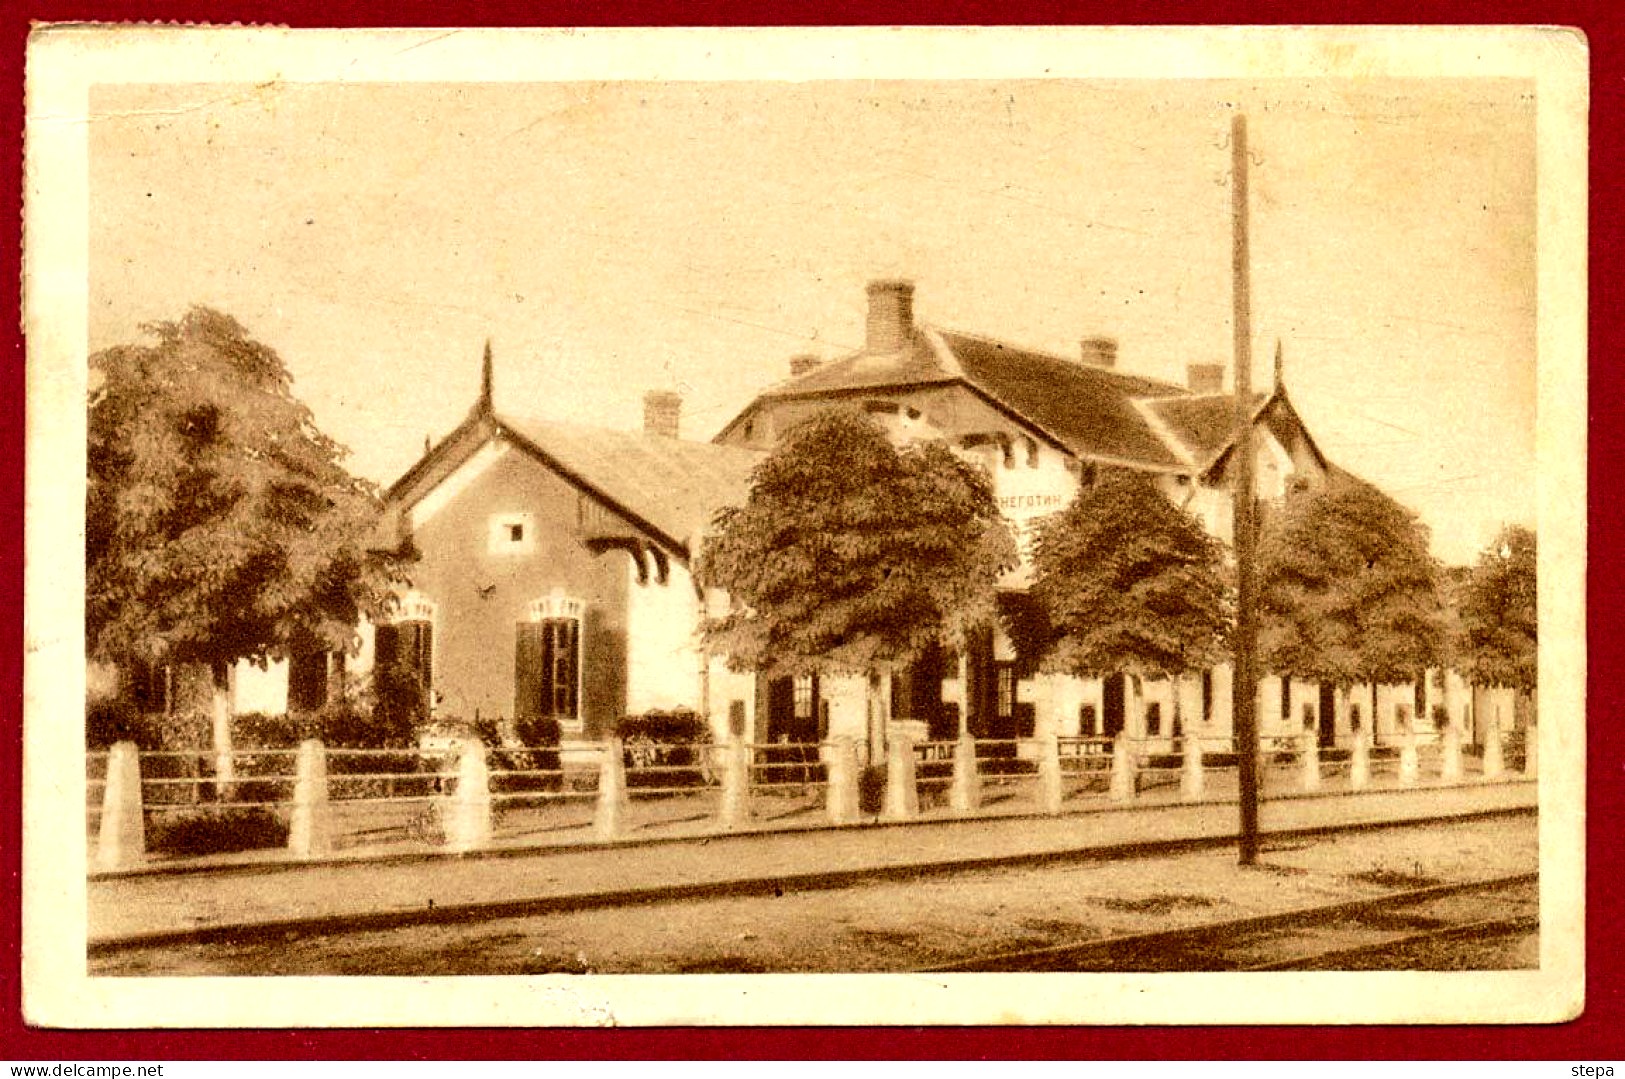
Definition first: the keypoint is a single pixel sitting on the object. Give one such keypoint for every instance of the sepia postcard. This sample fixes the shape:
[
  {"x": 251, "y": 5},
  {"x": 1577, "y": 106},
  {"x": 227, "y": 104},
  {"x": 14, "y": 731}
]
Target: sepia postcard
[{"x": 693, "y": 526}]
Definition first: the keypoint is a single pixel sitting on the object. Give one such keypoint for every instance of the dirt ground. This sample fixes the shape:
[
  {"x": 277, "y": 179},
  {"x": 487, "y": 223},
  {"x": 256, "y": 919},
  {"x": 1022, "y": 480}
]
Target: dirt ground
[{"x": 892, "y": 925}]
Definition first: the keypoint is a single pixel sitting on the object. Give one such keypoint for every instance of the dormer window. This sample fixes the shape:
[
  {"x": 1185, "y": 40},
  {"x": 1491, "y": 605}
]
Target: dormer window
[{"x": 512, "y": 533}]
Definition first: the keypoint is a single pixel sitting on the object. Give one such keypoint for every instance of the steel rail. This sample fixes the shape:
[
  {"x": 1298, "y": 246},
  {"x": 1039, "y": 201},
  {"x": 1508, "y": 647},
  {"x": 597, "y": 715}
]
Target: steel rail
[
  {"x": 1052, "y": 957},
  {"x": 1490, "y": 927}
]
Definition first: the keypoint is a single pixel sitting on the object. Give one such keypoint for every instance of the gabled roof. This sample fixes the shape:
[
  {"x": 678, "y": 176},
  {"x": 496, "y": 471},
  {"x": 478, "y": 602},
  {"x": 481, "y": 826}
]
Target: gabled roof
[
  {"x": 1205, "y": 424},
  {"x": 1088, "y": 409},
  {"x": 667, "y": 487},
  {"x": 670, "y": 485},
  {"x": 1082, "y": 408}
]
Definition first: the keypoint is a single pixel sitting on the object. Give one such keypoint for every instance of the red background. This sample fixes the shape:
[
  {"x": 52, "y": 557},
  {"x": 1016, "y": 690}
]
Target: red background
[{"x": 1598, "y": 1035}]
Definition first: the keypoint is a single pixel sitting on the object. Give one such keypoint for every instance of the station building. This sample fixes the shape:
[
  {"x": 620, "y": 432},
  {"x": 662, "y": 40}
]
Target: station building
[{"x": 556, "y": 561}]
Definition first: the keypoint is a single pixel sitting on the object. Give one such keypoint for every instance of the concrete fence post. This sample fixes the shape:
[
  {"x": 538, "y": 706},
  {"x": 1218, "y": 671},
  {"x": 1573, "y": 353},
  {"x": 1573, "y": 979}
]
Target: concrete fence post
[
  {"x": 1309, "y": 751},
  {"x": 468, "y": 818},
  {"x": 1123, "y": 778},
  {"x": 1450, "y": 758},
  {"x": 1531, "y": 750},
  {"x": 1360, "y": 761},
  {"x": 902, "y": 793},
  {"x": 122, "y": 840},
  {"x": 610, "y": 817},
  {"x": 1410, "y": 768},
  {"x": 965, "y": 798},
  {"x": 1192, "y": 780},
  {"x": 841, "y": 793},
  {"x": 1051, "y": 788},
  {"x": 310, "y": 833},
  {"x": 1494, "y": 762},
  {"x": 735, "y": 809}
]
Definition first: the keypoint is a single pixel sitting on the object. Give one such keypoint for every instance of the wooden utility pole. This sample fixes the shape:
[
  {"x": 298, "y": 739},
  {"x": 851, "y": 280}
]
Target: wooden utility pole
[{"x": 1244, "y": 685}]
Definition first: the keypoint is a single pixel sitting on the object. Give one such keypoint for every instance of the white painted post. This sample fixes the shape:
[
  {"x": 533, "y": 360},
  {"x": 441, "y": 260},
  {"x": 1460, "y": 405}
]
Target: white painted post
[
  {"x": 1450, "y": 761},
  {"x": 311, "y": 831},
  {"x": 1051, "y": 791},
  {"x": 610, "y": 816},
  {"x": 735, "y": 809},
  {"x": 965, "y": 798},
  {"x": 841, "y": 793},
  {"x": 468, "y": 822},
  {"x": 1309, "y": 751},
  {"x": 1494, "y": 762},
  {"x": 1409, "y": 765},
  {"x": 1360, "y": 760},
  {"x": 1531, "y": 750},
  {"x": 1192, "y": 781},
  {"x": 1123, "y": 780},
  {"x": 122, "y": 840},
  {"x": 902, "y": 794}
]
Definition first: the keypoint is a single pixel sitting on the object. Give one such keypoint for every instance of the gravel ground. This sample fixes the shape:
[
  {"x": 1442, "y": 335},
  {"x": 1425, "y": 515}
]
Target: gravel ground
[{"x": 893, "y": 926}]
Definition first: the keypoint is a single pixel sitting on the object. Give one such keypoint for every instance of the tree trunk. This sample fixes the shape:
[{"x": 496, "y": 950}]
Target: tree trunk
[
  {"x": 964, "y": 691},
  {"x": 220, "y": 679},
  {"x": 1445, "y": 698}
]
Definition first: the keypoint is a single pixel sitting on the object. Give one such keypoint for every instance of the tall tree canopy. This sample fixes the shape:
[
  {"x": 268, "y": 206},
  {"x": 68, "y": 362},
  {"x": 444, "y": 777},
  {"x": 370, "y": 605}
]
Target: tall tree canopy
[
  {"x": 851, "y": 556},
  {"x": 220, "y": 523},
  {"x": 1347, "y": 589},
  {"x": 1130, "y": 583},
  {"x": 1497, "y": 639}
]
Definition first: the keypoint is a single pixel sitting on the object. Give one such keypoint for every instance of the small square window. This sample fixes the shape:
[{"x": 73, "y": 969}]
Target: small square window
[{"x": 511, "y": 533}]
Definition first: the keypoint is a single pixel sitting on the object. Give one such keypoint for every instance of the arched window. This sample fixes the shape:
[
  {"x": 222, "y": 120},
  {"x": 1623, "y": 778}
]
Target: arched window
[
  {"x": 547, "y": 661},
  {"x": 403, "y": 659}
]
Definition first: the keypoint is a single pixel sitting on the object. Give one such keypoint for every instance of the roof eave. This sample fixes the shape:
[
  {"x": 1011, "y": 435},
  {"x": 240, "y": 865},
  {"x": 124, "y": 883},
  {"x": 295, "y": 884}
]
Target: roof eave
[
  {"x": 1276, "y": 396},
  {"x": 446, "y": 447}
]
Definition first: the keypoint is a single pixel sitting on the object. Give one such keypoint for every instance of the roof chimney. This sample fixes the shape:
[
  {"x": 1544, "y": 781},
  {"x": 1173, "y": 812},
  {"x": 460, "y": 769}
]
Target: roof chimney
[
  {"x": 1100, "y": 351},
  {"x": 1205, "y": 377},
  {"x": 804, "y": 362},
  {"x": 891, "y": 316},
  {"x": 662, "y": 413}
]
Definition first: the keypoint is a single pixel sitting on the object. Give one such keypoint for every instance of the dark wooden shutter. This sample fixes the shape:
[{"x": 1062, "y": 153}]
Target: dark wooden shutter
[
  {"x": 403, "y": 660},
  {"x": 422, "y": 663},
  {"x": 529, "y": 670},
  {"x": 386, "y": 649}
]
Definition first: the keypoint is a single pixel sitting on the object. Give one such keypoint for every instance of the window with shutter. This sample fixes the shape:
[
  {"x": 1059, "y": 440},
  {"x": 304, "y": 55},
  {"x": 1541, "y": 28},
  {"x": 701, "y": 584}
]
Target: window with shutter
[
  {"x": 547, "y": 667},
  {"x": 403, "y": 666}
]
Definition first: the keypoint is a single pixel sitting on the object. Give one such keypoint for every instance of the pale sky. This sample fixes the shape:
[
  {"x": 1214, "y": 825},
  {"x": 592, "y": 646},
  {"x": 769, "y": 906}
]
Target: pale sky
[{"x": 611, "y": 238}]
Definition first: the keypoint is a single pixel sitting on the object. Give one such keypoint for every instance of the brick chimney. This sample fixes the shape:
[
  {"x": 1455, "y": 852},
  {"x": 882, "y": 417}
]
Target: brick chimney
[
  {"x": 1100, "y": 351},
  {"x": 1204, "y": 377},
  {"x": 804, "y": 362},
  {"x": 662, "y": 413},
  {"x": 891, "y": 316}
]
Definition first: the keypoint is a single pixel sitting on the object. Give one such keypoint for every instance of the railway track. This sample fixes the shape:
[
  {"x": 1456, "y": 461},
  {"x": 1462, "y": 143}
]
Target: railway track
[{"x": 1357, "y": 934}]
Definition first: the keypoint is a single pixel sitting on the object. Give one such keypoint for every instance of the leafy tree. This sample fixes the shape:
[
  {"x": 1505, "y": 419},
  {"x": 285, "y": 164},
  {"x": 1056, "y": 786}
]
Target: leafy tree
[
  {"x": 1130, "y": 584},
  {"x": 1497, "y": 638},
  {"x": 851, "y": 556},
  {"x": 1348, "y": 592},
  {"x": 220, "y": 523}
]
